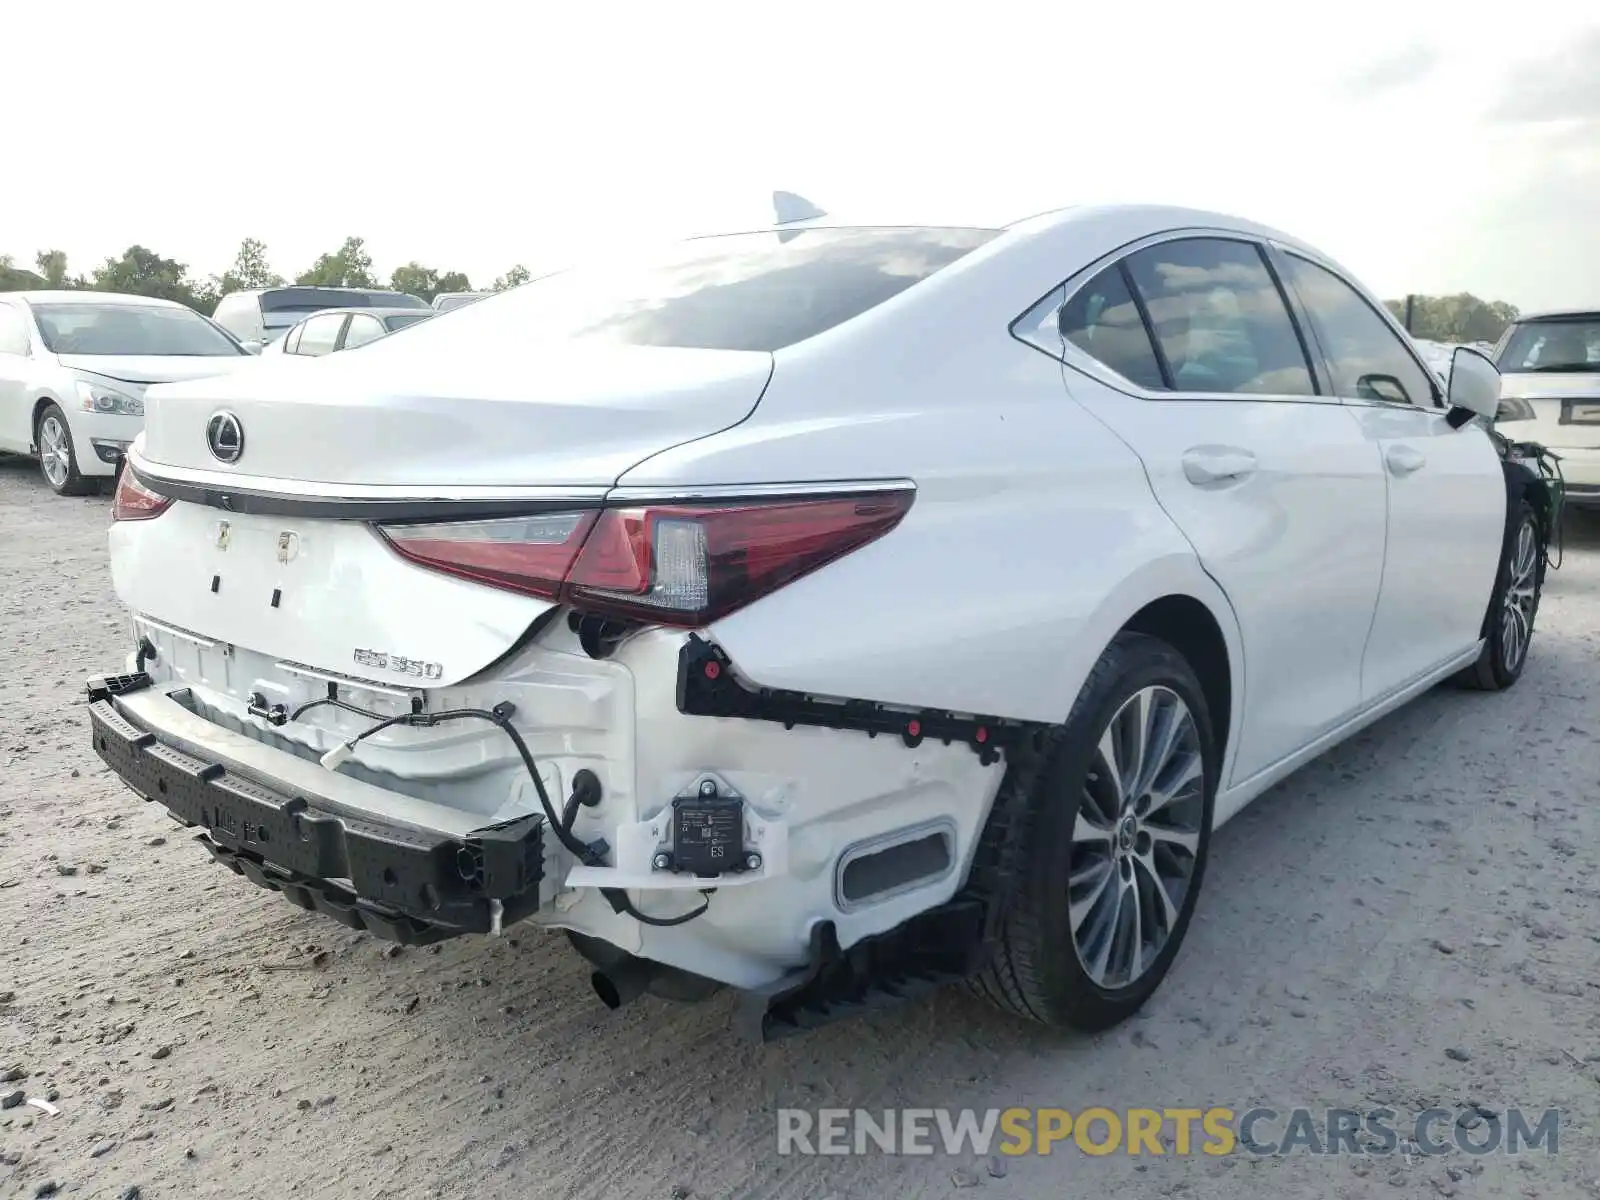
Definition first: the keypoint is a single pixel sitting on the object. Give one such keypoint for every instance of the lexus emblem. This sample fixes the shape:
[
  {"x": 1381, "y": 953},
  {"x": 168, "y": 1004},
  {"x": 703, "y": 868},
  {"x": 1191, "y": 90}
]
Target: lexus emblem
[{"x": 225, "y": 437}]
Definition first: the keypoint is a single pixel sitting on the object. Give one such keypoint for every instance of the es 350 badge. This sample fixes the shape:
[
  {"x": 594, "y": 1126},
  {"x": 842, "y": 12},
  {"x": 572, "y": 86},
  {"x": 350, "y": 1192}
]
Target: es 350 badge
[{"x": 399, "y": 664}]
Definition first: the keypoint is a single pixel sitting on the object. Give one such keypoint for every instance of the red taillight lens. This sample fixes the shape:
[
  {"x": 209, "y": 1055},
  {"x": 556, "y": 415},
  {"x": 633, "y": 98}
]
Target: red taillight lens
[
  {"x": 678, "y": 564},
  {"x": 135, "y": 502},
  {"x": 525, "y": 554}
]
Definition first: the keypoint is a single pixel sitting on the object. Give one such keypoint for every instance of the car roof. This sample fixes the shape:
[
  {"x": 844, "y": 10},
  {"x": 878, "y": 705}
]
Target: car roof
[
  {"x": 65, "y": 296},
  {"x": 1137, "y": 218}
]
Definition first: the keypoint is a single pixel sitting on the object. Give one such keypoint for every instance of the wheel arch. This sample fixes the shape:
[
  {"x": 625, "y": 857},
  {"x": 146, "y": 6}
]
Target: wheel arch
[
  {"x": 41, "y": 402},
  {"x": 1181, "y": 605}
]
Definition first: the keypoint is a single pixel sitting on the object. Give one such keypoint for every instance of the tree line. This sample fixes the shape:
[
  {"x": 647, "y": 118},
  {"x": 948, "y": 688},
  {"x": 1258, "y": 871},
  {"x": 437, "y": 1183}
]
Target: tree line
[{"x": 142, "y": 272}]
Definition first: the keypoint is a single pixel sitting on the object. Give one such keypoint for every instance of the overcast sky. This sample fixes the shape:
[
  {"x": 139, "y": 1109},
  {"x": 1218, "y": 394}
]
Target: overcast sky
[{"x": 1428, "y": 146}]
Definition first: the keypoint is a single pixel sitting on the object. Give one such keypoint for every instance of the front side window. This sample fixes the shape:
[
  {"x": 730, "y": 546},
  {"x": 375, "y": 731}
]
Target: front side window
[
  {"x": 1553, "y": 345},
  {"x": 131, "y": 329},
  {"x": 1369, "y": 360},
  {"x": 1219, "y": 318},
  {"x": 318, "y": 335},
  {"x": 1102, "y": 320}
]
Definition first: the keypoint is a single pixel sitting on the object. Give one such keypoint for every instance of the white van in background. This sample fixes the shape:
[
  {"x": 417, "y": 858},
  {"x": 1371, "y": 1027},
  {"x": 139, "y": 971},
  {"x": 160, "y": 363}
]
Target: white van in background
[{"x": 260, "y": 315}]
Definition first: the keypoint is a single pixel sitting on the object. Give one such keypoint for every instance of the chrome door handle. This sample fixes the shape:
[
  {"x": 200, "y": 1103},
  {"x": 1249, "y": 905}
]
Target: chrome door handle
[
  {"x": 1403, "y": 460},
  {"x": 1217, "y": 464}
]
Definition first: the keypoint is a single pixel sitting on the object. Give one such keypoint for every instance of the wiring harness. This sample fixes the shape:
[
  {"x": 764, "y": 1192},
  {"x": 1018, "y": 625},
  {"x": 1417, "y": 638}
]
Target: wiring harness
[{"x": 586, "y": 791}]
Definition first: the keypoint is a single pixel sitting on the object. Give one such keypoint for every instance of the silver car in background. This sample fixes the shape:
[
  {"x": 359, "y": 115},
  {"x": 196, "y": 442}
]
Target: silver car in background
[
  {"x": 260, "y": 316},
  {"x": 342, "y": 329},
  {"x": 1550, "y": 393}
]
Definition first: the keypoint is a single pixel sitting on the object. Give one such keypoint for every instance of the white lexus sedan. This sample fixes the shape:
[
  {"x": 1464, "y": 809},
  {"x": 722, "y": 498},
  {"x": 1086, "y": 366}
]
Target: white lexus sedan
[
  {"x": 829, "y": 611},
  {"x": 73, "y": 369}
]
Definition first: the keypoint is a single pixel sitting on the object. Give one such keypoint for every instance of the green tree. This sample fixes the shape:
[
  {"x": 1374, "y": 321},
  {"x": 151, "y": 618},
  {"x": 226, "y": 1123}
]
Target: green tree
[
  {"x": 415, "y": 279},
  {"x": 15, "y": 279},
  {"x": 418, "y": 280},
  {"x": 250, "y": 269},
  {"x": 516, "y": 277},
  {"x": 349, "y": 266},
  {"x": 142, "y": 272},
  {"x": 52, "y": 266},
  {"x": 1459, "y": 318}
]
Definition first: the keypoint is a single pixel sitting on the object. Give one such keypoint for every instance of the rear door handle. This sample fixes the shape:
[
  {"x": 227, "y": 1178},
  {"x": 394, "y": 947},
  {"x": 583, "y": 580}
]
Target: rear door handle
[
  {"x": 1403, "y": 460},
  {"x": 1217, "y": 464}
]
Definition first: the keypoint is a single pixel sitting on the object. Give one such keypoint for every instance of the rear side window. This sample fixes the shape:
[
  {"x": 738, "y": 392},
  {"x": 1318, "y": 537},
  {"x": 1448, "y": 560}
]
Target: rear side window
[
  {"x": 1219, "y": 319},
  {"x": 1103, "y": 321},
  {"x": 1369, "y": 360},
  {"x": 748, "y": 291}
]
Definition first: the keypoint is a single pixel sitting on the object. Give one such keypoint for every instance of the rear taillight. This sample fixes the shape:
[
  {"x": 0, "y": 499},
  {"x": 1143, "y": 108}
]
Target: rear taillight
[
  {"x": 135, "y": 502},
  {"x": 670, "y": 564}
]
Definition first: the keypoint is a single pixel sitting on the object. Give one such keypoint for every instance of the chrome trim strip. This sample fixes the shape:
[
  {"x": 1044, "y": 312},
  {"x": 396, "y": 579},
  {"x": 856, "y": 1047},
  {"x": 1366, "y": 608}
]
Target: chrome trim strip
[
  {"x": 758, "y": 491},
  {"x": 260, "y": 485}
]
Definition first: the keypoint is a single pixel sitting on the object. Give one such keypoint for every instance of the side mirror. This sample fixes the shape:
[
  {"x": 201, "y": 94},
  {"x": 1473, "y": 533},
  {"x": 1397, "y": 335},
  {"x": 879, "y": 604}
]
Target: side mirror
[
  {"x": 254, "y": 347},
  {"x": 1474, "y": 385}
]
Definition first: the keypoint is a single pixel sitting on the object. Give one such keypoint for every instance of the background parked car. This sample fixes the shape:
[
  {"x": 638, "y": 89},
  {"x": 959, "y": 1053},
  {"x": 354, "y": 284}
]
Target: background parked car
[
  {"x": 445, "y": 301},
  {"x": 258, "y": 316},
  {"x": 73, "y": 369},
  {"x": 1550, "y": 378},
  {"x": 342, "y": 329}
]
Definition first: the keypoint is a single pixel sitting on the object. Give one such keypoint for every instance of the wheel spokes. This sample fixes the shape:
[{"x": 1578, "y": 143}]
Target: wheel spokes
[{"x": 1136, "y": 837}]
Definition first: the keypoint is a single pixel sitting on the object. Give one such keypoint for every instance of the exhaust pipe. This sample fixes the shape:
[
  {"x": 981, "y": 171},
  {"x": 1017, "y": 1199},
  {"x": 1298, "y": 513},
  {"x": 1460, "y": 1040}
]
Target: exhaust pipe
[{"x": 622, "y": 982}]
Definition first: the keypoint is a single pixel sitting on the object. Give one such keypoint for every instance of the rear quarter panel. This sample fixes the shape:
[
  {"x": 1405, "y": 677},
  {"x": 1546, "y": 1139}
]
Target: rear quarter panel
[{"x": 1033, "y": 537}]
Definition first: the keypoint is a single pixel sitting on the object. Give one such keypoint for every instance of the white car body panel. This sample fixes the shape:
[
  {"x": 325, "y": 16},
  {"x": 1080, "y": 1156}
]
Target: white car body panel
[
  {"x": 392, "y": 417},
  {"x": 1050, "y": 510}
]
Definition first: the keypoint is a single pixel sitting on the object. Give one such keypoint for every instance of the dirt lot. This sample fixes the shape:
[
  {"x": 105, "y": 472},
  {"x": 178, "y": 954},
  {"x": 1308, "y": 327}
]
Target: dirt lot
[{"x": 1432, "y": 886}]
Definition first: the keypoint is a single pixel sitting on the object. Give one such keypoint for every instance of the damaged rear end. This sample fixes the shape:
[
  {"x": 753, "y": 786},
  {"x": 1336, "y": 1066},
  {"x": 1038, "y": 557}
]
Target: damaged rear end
[{"x": 406, "y": 653}]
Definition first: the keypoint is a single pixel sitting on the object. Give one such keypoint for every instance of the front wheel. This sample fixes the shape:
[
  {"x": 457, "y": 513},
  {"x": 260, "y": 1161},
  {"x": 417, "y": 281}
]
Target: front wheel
[
  {"x": 1512, "y": 607},
  {"x": 1116, "y": 829},
  {"x": 58, "y": 457}
]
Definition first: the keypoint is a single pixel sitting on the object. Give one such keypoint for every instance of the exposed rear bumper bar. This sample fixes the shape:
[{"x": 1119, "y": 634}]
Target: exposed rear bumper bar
[{"x": 398, "y": 882}]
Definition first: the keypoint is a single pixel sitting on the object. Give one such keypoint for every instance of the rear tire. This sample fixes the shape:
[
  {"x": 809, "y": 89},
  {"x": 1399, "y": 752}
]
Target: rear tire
[
  {"x": 1117, "y": 812},
  {"x": 58, "y": 457},
  {"x": 1513, "y": 606}
]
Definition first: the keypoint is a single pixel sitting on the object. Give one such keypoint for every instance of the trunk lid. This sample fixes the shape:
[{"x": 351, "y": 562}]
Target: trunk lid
[
  {"x": 1558, "y": 409},
  {"x": 147, "y": 369},
  {"x": 324, "y": 595},
  {"x": 388, "y": 416}
]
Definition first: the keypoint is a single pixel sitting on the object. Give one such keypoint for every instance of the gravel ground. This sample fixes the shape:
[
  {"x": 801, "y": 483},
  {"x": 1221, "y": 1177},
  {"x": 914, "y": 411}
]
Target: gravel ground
[{"x": 1432, "y": 886}]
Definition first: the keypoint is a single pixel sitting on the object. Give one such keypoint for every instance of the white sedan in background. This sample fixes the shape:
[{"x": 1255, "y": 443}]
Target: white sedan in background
[
  {"x": 74, "y": 367},
  {"x": 335, "y": 329},
  {"x": 828, "y": 611}
]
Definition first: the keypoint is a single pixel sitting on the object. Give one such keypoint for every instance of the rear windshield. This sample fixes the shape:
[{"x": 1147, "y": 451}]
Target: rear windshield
[
  {"x": 308, "y": 300},
  {"x": 746, "y": 291},
  {"x": 131, "y": 329},
  {"x": 1564, "y": 344}
]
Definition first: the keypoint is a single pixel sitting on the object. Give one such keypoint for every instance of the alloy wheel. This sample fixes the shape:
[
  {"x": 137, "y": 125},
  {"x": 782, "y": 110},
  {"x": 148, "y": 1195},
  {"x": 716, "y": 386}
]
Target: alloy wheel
[
  {"x": 1136, "y": 837},
  {"x": 1516, "y": 611},
  {"x": 55, "y": 451}
]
